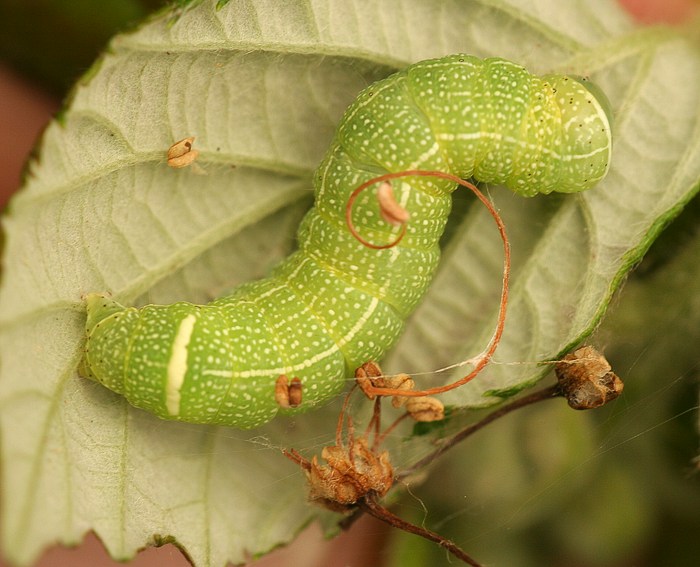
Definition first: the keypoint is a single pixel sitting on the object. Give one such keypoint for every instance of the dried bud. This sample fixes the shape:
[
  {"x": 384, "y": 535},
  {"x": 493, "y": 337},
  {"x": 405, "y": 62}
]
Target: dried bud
[
  {"x": 425, "y": 409},
  {"x": 399, "y": 382},
  {"x": 586, "y": 379}
]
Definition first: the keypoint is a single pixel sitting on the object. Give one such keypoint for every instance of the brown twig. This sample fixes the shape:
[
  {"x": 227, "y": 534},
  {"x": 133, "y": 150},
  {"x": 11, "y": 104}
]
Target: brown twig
[
  {"x": 538, "y": 396},
  {"x": 547, "y": 393},
  {"x": 370, "y": 505}
]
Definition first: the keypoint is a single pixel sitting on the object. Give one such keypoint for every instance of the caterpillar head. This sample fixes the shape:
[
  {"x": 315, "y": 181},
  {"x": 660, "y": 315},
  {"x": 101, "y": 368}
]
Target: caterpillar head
[{"x": 586, "y": 132}]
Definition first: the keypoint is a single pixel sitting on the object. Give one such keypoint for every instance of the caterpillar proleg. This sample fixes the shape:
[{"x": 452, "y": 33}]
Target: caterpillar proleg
[{"x": 335, "y": 304}]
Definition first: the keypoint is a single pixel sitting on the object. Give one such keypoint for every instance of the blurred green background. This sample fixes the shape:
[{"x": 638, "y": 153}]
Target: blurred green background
[{"x": 52, "y": 42}]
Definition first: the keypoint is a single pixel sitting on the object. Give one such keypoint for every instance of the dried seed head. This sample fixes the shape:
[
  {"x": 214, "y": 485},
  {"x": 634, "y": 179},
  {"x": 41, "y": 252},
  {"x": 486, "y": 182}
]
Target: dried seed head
[
  {"x": 349, "y": 475},
  {"x": 586, "y": 379},
  {"x": 425, "y": 408},
  {"x": 389, "y": 208},
  {"x": 181, "y": 154}
]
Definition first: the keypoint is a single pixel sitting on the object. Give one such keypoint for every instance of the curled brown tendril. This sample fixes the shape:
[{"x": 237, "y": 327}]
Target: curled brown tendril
[
  {"x": 387, "y": 216},
  {"x": 483, "y": 359}
]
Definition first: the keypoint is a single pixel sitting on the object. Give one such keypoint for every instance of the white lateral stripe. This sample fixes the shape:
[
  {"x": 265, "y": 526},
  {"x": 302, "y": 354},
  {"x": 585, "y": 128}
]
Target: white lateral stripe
[
  {"x": 521, "y": 143},
  {"x": 359, "y": 325},
  {"x": 177, "y": 366},
  {"x": 258, "y": 372}
]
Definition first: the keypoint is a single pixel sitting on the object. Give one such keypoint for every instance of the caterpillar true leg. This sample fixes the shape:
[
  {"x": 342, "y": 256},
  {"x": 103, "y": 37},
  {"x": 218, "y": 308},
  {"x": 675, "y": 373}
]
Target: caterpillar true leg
[{"x": 288, "y": 393}]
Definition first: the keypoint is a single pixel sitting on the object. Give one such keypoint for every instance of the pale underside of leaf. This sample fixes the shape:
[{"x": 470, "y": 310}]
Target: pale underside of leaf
[{"x": 261, "y": 85}]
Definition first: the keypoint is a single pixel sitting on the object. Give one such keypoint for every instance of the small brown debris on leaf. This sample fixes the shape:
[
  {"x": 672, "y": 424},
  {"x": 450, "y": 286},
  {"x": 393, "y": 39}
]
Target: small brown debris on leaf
[{"x": 181, "y": 154}]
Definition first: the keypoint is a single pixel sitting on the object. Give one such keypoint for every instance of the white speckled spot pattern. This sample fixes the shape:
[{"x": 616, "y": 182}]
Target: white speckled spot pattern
[{"x": 334, "y": 304}]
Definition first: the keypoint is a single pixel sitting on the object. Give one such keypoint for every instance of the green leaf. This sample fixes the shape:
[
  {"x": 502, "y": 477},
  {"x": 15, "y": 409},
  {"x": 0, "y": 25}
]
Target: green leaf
[{"x": 261, "y": 86}]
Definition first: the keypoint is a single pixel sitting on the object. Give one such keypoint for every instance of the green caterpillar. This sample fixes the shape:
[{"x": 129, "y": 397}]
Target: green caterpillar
[{"x": 334, "y": 304}]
